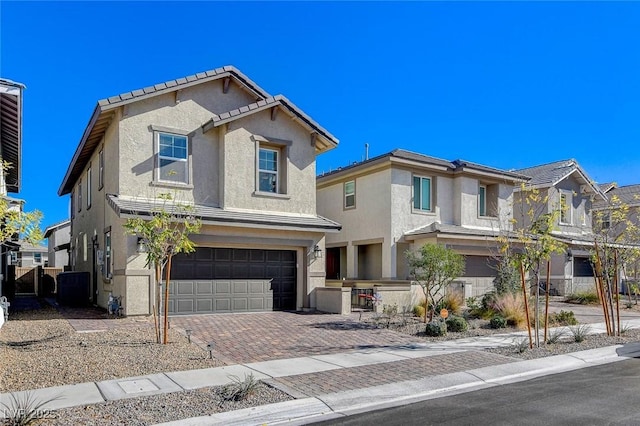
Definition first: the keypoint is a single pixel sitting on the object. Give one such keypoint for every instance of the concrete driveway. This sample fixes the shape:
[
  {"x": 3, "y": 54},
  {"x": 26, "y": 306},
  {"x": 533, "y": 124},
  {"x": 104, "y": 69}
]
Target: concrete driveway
[{"x": 255, "y": 337}]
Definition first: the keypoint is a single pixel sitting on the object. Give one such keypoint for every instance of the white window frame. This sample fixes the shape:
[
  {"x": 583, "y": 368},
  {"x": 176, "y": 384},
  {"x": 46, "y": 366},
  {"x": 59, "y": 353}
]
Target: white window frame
[
  {"x": 80, "y": 195},
  {"x": 482, "y": 201},
  {"x": 275, "y": 173},
  {"x": 160, "y": 157},
  {"x": 413, "y": 194},
  {"x": 100, "y": 169},
  {"x": 566, "y": 210},
  {"x": 37, "y": 254},
  {"x": 89, "y": 187},
  {"x": 108, "y": 255},
  {"x": 349, "y": 194}
]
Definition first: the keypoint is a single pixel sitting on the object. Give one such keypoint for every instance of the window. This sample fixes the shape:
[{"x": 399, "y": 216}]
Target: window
[
  {"x": 37, "y": 257},
  {"x": 268, "y": 170},
  {"x": 350, "y": 194},
  {"x": 14, "y": 258},
  {"x": 107, "y": 270},
  {"x": 422, "y": 193},
  {"x": 482, "y": 200},
  {"x": 73, "y": 212},
  {"x": 565, "y": 208},
  {"x": 100, "y": 169},
  {"x": 80, "y": 195},
  {"x": 173, "y": 164},
  {"x": 89, "y": 187},
  {"x": 606, "y": 220}
]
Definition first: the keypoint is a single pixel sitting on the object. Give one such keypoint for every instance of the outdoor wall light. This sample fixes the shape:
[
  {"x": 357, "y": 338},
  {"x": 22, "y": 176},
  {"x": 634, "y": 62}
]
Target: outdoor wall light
[
  {"x": 141, "y": 247},
  {"x": 210, "y": 347},
  {"x": 317, "y": 252},
  {"x": 569, "y": 254},
  {"x": 188, "y": 331}
]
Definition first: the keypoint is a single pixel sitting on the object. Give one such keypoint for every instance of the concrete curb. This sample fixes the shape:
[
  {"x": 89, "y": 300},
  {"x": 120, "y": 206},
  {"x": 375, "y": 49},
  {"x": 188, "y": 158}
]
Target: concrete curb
[{"x": 340, "y": 404}]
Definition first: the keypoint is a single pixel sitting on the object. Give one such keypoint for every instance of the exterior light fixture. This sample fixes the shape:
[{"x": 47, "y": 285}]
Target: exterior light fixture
[
  {"x": 210, "y": 347},
  {"x": 569, "y": 254},
  {"x": 188, "y": 331},
  {"x": 141, "y": 247},
  {"x": 317, "y": 252}
]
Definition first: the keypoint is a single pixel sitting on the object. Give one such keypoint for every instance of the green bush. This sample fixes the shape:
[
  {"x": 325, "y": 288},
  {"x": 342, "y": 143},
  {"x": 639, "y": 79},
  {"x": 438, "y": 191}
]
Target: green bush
[
  {"x": 584, "y": 298},
  {"x": 418, "y": 311},
  {"x": 457, "y": 324},
  {"x": 436, "y": 328},
  {"x": 563, "y": 318},
  {"x": 498, "y": 322}
]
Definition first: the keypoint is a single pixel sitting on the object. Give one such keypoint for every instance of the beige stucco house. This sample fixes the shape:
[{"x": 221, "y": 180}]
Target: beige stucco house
[
  {"x": 402, "y": 200},
  {"x": 58, "y": 238},
  {"x": 564, "y": 187},
  {"x": 245, "y": 161}
]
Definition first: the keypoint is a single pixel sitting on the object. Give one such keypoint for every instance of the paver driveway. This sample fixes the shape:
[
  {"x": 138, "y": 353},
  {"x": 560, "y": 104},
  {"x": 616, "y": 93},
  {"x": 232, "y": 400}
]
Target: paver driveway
[{"x": 255, "y": 337}]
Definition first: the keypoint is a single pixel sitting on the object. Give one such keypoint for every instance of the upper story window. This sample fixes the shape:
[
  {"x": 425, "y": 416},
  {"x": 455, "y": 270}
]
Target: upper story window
[
  {"x": 173, "y": 158},
  {"x": 422, "y": 193},
  {"x": 107, "y": 268},
  {"x": 89, "y": 187},
  {"x": 606, "y": 220},
  {"x": 80, "y": 195},
  {"x": 37, "y": 257},
  {"x": 100, "y": 169},
  {"x": 268, "y": 170},
  {"x": 482, "y": 200},
  {"x": 72, "y": 200},
  {"x": 350, "y": 194},
  {"x": 565, "y": 208}
]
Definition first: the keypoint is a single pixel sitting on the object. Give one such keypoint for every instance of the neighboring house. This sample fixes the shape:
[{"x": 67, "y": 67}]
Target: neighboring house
[
  {"x": 29, "y": 255},
  {"x": 402, "y": 200},
  {"x": 58, "y": 238},
  {"x": 245, "y": 160},
  {"x": 10, "y": 152},
  {"x": 568, "y": 189}
]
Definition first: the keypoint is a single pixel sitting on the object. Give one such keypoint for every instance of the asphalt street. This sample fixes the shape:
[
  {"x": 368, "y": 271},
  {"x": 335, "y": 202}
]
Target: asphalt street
[{"x": 603, "y": 395}]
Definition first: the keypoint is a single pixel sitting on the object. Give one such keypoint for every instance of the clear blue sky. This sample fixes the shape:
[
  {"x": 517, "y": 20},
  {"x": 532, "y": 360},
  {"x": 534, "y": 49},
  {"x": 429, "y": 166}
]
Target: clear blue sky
[{"x": 508, "y": 85}]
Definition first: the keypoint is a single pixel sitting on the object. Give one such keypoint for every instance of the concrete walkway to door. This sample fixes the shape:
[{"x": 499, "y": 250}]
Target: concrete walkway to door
[{"x": 255, "y": 337}]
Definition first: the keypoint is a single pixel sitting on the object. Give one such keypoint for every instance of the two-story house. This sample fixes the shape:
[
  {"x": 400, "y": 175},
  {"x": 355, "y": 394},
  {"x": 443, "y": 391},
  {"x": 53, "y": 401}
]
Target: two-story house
[
  {"x": 58, "y": 238},
  {"x": 564, "y": 187},
  {"x": 243, "y": 159},
  {"x": 402, "y": 200}
]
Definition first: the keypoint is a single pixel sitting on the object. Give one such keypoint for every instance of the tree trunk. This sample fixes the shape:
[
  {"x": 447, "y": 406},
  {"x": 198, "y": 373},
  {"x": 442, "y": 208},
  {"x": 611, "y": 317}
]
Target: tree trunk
[
  {"x": 526, "y": 304},
  {"x": 166, "y": 301},
  {"x": 157, "y": 302},
  {"x": 426, "y": 303},
  {"x": 546, "y": 302}
]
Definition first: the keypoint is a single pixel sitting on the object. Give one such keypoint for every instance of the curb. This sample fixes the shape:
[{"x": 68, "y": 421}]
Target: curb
[{"x": 346, "y": 403}]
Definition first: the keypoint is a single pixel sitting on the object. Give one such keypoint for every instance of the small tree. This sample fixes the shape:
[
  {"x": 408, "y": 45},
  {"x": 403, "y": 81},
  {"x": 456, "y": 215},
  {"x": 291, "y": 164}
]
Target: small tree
[
  {"x": 165, "y": 233},
  {"x": 434, "y": 267},
  {"x": 16, "y": 223}
]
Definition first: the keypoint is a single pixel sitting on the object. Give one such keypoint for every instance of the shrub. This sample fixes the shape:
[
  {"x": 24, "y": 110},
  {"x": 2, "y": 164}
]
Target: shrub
[
  {"x": 239, "y": 390},
  {"x": 583, "y": 298},
  {"x": 24, "y": 409},
  {"x": 453, "y": 302},
  {"x": 580, "y": 332},
  {"x": 436, "y": 328},
  {"x": 521, "y": 345},
  {"x": 473, "y": 304},
  {"x": 457, "y": 324},
  {"x": 625, "y": 327},
  {"x": 498, "y": 322},
  {"x": 510, "y": 306},
  {"x": 418, "y": 311},
  {"x": 555, "y": 336},
  {"x": 563, "y": 318}
]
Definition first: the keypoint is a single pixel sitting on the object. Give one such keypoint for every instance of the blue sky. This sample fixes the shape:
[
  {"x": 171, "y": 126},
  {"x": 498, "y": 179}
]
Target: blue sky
[{"x": 508, "y": 85}]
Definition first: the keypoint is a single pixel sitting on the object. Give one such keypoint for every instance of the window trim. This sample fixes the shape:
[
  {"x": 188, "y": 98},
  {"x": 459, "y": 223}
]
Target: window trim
[
  {"x": 345, "y": 195},
  {"x": 100, "y": 169},
  {"x": 413, "y": 194},
  {"x": 482, "y": 201},
  {"x": 275, "y": 172},
  {"x": 39, "y": 254},
  {"x": 89, "y": 186},
  {"x": 157, "y": 131},
  {"x": 568, "y": 211},
  {"x": 73, "y": 203},
  {"x": 79, "y": 195},
  {"x": 281, "y": 146},
  {"x": 107, "y": 270}
]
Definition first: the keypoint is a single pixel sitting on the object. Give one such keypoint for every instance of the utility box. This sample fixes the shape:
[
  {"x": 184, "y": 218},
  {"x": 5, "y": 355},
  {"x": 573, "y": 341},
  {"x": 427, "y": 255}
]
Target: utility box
[{"x": 73, "y": 289}]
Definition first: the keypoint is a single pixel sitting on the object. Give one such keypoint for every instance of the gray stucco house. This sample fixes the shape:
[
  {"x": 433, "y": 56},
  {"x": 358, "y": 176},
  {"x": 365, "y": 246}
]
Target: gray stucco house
[
  {"x": 245, "y": 161},
  {"x": 58, "y": 238},
  {"x": 402, "y": 200},
  {"x": 567, "y": 188}
]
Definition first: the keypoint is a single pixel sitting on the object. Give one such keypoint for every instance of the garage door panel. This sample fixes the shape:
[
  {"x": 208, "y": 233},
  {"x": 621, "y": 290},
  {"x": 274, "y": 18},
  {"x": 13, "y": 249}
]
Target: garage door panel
[
  {"x": 233, "y": 280},
  {"x": 204, "y": 287}
]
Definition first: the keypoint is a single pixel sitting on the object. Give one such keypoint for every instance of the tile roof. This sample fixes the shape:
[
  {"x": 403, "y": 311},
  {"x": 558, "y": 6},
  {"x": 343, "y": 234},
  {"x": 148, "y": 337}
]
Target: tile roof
[
  {"x": 439, "y": 228},
  {"x": 452, "y": 166},
  {"x": 213, "y": 215},
  {"x": 629, "y": 195},
  {"x": 550, "y": 174}
]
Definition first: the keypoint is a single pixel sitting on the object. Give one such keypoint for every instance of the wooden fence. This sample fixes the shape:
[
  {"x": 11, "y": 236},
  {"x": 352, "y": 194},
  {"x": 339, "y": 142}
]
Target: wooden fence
[{"x": 36, "y": 280}]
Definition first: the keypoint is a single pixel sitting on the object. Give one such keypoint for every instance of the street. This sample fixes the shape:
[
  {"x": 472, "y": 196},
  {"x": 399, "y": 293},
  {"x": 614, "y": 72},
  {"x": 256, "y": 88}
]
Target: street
[{"x": 607, "y": 394}]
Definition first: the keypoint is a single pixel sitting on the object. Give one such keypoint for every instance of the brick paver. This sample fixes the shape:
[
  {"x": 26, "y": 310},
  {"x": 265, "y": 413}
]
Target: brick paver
[
  {"x": 324, "y": 382},
  {"x": 245, "y": 338}
]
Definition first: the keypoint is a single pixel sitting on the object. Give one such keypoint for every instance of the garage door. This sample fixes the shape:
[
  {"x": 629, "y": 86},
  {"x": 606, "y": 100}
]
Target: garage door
[{"x": 216, "y": 280}]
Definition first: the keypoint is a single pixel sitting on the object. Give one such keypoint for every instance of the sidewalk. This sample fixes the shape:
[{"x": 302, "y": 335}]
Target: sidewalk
[{"x": 346, "y": 383}]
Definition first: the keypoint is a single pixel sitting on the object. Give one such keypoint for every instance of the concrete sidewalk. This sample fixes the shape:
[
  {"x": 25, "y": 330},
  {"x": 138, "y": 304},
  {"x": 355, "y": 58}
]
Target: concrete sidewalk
[{"x": 341, "y": 384}]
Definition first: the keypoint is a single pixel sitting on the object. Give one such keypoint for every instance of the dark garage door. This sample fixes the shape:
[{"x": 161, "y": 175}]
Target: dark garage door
[{"x": 215, "y": 280}]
